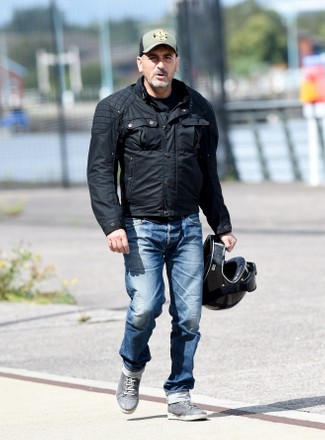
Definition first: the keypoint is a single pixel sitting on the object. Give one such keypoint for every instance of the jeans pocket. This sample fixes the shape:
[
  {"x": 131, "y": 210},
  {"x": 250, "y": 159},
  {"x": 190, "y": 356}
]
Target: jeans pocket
[
  {"x": 194, "y": 219},
  {"x": 132, "y": 222}
]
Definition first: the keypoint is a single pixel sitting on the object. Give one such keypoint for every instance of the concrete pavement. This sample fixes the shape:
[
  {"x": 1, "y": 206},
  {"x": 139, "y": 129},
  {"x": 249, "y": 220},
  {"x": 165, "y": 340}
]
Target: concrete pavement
[
  {"x": 38, "y": 406},
  {"x": 264, "y": 357}
]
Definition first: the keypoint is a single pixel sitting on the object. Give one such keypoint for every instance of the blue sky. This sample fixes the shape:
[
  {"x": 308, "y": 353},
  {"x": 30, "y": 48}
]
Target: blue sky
[{"x": 85, "y": 11}]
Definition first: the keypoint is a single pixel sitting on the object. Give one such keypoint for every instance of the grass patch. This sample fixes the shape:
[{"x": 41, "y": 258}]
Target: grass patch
[
  {"x": 23, "y": 278},
  {"x": 12, "y": 207}
]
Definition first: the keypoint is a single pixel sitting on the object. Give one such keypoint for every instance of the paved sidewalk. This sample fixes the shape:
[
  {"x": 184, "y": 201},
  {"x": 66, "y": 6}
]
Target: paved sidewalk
[
  {"x": 39, "y": 407},
  {"x": 267, "y": 354}
]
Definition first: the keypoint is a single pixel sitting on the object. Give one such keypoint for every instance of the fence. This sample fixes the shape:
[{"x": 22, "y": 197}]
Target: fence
[
  {"x": 269, "y": 141},
  {"x": 260, "y": 140}
]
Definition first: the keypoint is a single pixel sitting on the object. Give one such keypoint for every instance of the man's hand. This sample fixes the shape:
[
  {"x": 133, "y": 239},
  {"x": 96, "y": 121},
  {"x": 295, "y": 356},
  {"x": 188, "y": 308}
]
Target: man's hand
[
  {"x": 229, "y": 240},
  {"x": 118, "y": 241}
]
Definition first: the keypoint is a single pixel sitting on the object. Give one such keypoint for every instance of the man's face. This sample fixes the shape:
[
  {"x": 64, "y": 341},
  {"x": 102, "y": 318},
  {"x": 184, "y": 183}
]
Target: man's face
[{"x": 158, "y": 68}]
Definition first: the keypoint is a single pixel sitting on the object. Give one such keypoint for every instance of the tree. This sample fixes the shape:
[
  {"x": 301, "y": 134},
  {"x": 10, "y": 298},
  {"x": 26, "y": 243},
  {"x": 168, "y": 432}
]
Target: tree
[
  {"x": 30, "y": 20},
  {"x": 313, "y": 24},
  {"x": 255, "y": 37},
  {"x": 124, "y": 32}
]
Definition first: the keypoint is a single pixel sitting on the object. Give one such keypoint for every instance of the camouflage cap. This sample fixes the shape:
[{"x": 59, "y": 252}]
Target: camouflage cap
[{"x": 155, "y": 38}]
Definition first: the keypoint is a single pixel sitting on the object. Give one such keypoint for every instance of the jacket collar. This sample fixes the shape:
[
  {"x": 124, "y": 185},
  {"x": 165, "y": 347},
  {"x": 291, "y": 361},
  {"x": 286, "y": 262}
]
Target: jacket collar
[{"x": 180, "y": 85}]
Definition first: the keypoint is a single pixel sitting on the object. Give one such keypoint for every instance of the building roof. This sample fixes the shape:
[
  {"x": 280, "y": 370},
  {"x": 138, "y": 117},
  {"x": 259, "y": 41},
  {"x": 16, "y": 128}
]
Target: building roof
[{"x": 12, "y": 66}]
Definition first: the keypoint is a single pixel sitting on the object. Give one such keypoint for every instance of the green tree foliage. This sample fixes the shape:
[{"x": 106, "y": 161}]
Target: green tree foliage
[
  {"x": 29, "y": 20},
  {"x": 36, "y": 27},
  {"x": 255, "y": 36},
  {"x": 124, "y": 32},
  {"x": 91, "y": 74},
  {"x": 25, "y": 54},
  {"x": 313, "y": 25}
]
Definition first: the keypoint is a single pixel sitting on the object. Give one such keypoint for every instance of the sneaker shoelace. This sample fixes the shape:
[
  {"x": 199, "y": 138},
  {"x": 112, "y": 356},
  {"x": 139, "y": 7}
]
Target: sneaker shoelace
[
  {"x": 189, "y": 405},
  {"x": 130, "y": 386}
]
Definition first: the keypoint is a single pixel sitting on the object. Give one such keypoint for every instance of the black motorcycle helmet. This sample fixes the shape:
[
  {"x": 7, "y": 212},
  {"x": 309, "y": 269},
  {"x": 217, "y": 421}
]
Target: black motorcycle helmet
[{"x": 225, "y": 283}]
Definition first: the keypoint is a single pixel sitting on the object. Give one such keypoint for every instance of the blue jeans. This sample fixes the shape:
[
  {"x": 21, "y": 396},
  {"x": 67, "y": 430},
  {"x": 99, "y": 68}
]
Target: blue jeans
[{"x": 178, "y": 244}]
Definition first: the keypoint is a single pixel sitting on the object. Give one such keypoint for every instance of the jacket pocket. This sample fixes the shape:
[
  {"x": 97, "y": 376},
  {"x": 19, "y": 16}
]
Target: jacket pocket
[
  {"x": 191, "y": 131},
  {"x": 143, "y": 133}
]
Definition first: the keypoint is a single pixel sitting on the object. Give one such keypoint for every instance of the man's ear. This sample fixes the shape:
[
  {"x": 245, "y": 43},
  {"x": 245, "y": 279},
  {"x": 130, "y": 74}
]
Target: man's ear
[
  {"x": 139, "y": 63},
  {"x": 177, "y": 64}
]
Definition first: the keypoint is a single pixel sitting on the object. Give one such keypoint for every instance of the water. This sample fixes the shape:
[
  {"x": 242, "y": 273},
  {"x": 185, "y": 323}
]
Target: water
[{"x": 36, "y": 157}]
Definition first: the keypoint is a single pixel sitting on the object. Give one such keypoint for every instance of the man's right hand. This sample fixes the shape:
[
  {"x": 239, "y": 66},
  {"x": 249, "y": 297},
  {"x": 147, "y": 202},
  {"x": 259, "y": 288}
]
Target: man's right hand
[{"x": 118, "y": 241}]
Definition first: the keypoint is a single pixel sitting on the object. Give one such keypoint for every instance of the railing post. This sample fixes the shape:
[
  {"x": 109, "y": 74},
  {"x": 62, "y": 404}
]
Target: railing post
[
  {"x": 291, "y": 150},
  {"x": 259, "y": 147}
]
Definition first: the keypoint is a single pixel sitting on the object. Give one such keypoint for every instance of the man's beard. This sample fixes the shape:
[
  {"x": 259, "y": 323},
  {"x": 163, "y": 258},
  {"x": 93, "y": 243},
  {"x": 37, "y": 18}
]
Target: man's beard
[{"x": 156, "y": 84}]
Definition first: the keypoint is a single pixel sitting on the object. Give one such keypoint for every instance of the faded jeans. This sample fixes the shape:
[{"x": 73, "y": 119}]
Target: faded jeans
[{"x": 178, "y": 245}]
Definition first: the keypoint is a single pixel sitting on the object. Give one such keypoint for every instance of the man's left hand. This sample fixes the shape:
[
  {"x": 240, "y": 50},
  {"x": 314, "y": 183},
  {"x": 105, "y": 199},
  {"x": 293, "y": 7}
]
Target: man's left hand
[{"x": 229, "y": 240}]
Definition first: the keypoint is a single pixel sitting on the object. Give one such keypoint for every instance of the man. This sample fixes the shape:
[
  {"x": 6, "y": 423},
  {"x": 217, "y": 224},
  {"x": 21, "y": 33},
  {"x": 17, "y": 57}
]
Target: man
[{"x": 164, "y": 136}]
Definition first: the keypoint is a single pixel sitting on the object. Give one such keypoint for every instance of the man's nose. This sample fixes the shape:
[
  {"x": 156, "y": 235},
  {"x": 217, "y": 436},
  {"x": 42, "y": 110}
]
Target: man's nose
[{"x": 161, "y": 64}]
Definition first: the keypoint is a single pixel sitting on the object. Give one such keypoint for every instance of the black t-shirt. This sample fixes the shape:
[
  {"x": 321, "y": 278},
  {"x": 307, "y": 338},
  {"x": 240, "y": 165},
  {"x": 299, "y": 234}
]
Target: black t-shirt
[{"x": 167, "y": 104}]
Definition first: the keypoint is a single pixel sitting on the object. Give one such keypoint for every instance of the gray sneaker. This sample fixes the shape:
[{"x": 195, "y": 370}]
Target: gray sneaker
[
  {"x": 127, "y": 393},
  {"x": 185, "y": 410}
]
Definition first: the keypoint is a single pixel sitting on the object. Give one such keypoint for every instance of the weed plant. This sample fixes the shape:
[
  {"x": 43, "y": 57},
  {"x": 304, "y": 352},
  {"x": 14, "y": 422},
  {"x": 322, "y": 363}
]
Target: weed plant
[{"x": 23, "y": 277}]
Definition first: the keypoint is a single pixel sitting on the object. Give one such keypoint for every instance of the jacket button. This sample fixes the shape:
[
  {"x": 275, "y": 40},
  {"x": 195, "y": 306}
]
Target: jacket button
[
  {"x": 130, "y": 125},
  {"x": 152, "y": 122}
]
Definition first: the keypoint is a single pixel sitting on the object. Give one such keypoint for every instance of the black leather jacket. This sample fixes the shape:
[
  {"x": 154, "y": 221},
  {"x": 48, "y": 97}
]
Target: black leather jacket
[{"x": 167, "y": 159}]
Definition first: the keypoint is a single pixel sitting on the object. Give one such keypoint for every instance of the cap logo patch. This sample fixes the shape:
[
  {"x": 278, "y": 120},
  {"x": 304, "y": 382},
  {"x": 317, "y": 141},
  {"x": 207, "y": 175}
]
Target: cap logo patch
[{"x": 160, "y": 35}]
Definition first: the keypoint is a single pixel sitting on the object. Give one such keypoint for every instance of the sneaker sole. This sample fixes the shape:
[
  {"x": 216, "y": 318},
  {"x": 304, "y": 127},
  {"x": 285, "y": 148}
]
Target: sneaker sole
[
  {"x": 127, "y": 411},
  {"x": 187, "y": 418}
]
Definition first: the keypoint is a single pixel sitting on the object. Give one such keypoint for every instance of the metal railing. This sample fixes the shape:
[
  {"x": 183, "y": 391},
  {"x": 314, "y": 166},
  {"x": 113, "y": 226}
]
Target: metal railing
[{"x": 254, "y": 113}]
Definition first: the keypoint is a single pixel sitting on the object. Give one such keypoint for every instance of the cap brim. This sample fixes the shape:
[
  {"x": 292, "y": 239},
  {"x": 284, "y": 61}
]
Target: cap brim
[{"x": 152, "y": 46}]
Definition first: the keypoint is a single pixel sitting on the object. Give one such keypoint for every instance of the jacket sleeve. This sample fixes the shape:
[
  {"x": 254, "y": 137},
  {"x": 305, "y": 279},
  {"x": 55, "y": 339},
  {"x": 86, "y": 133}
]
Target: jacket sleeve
[
  {"x": 211, "y": 197},
  {"x": 102, "y": 168}
]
